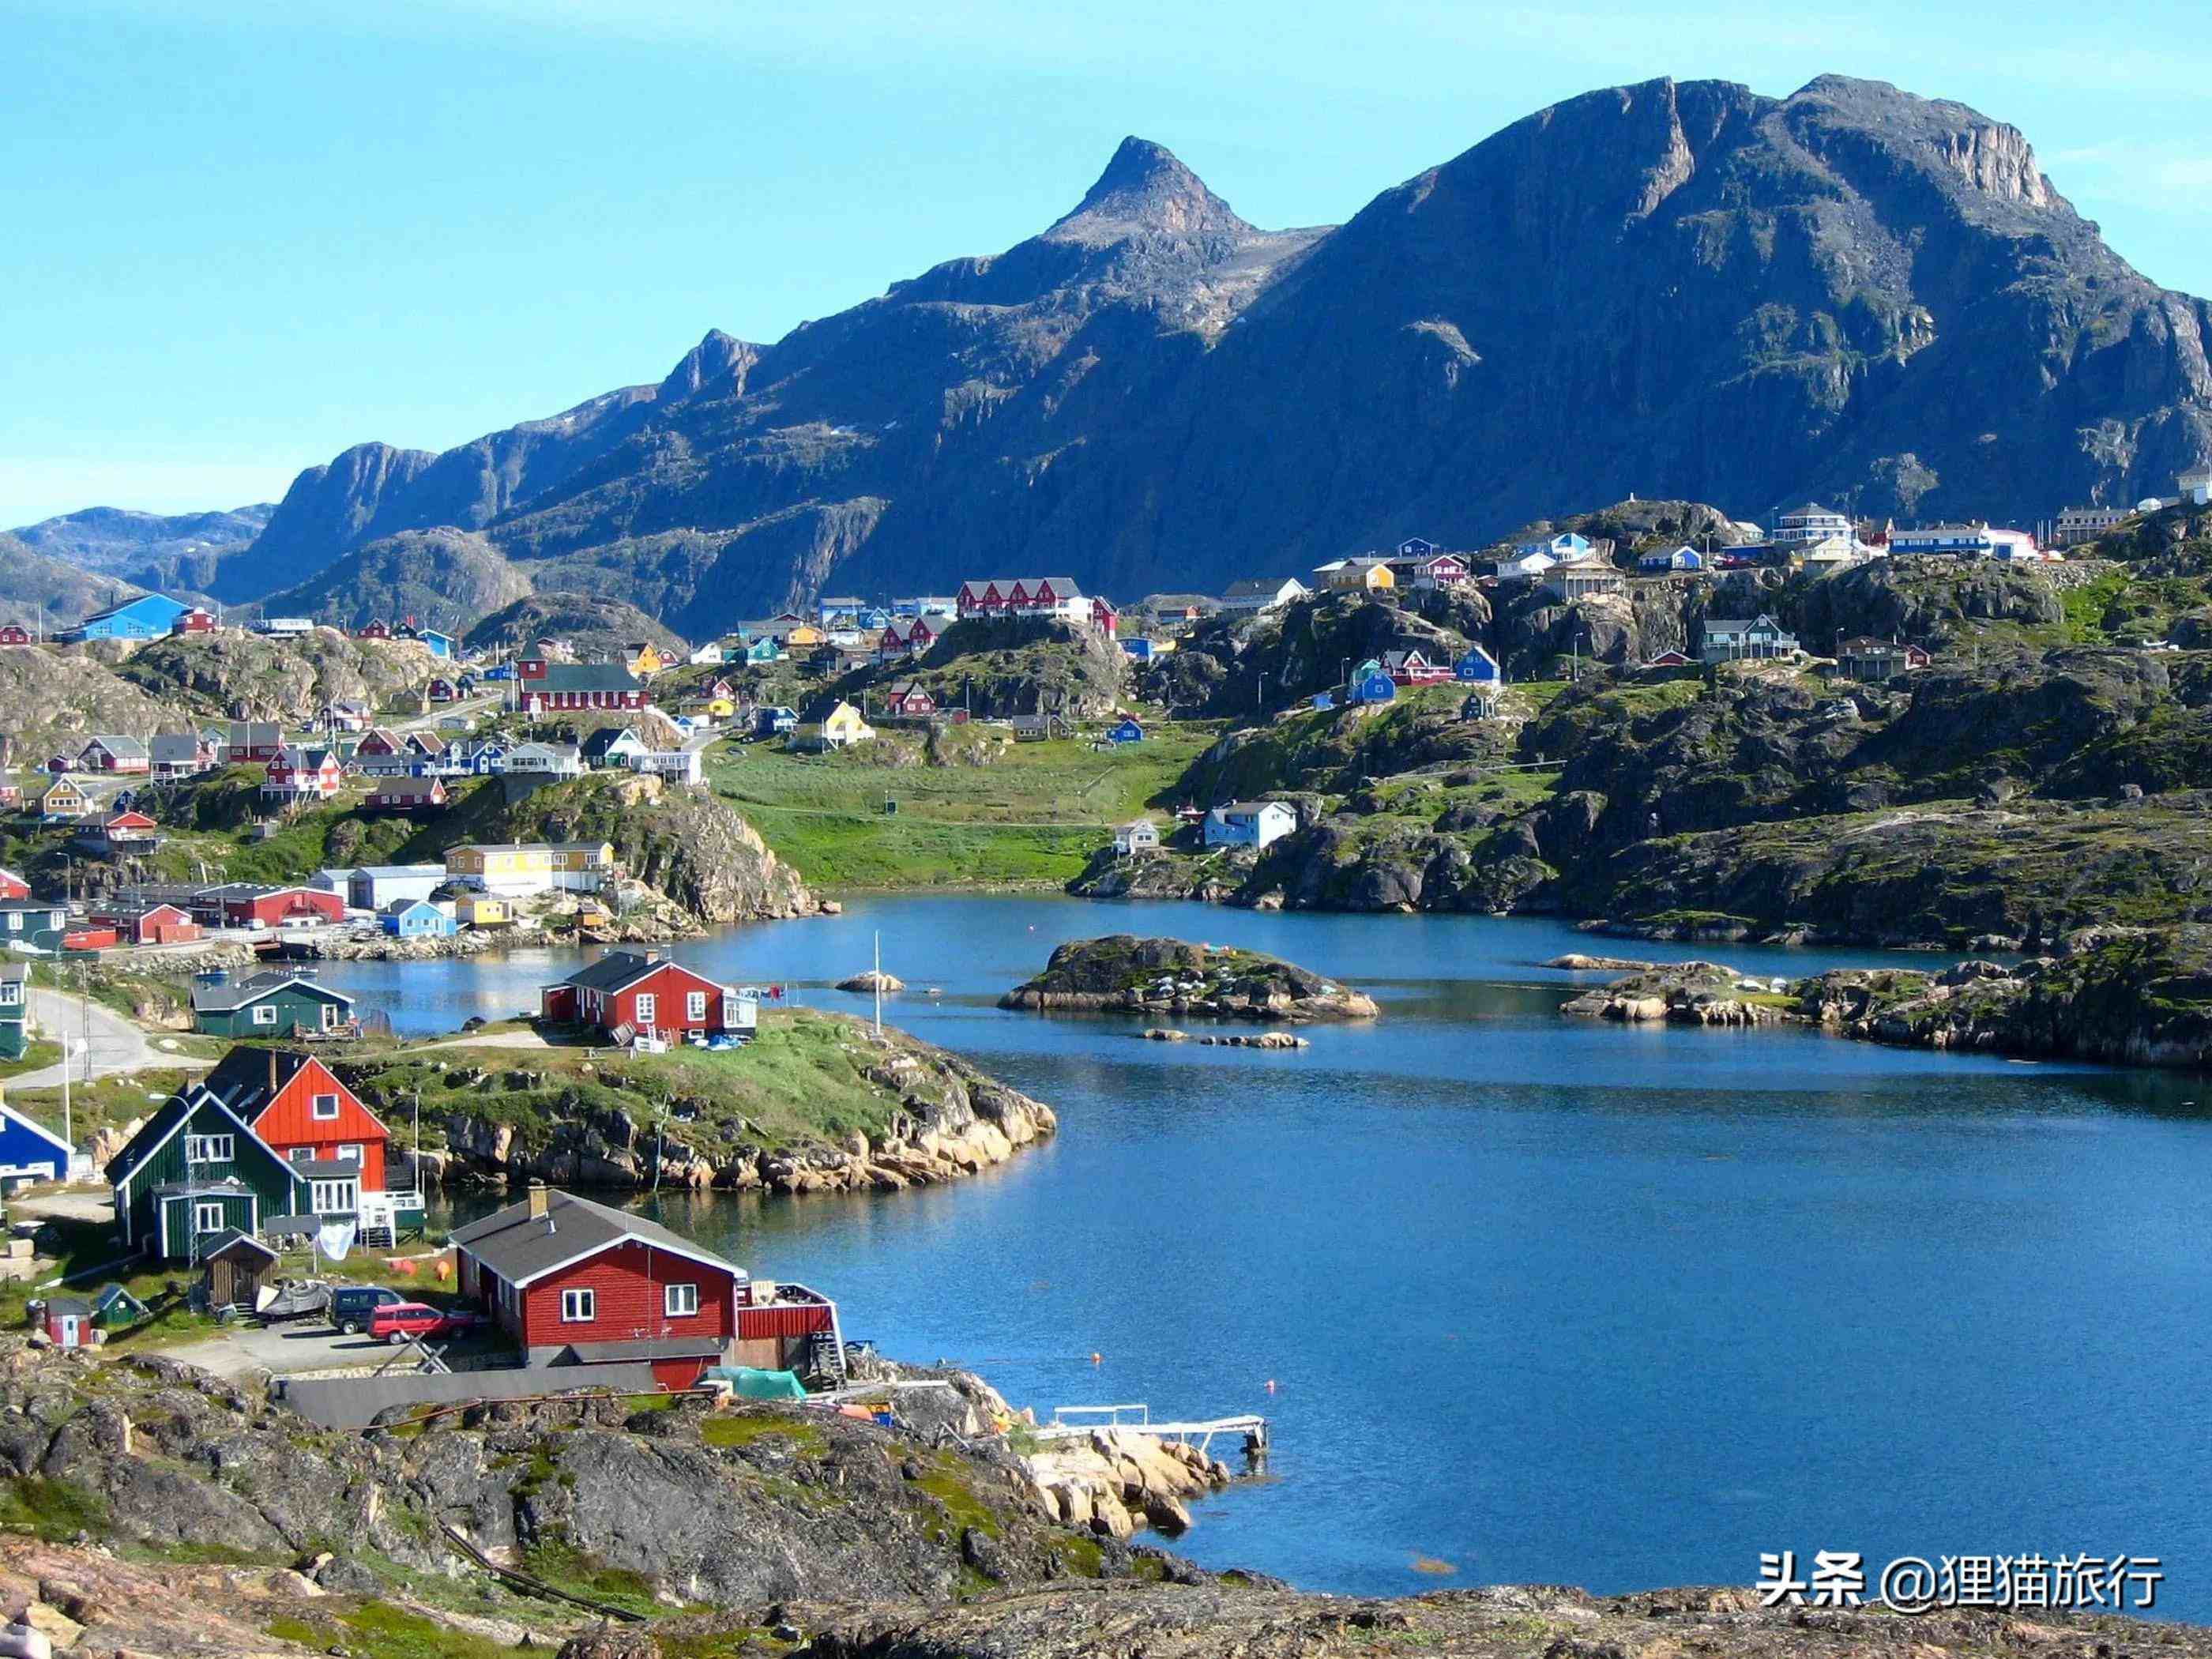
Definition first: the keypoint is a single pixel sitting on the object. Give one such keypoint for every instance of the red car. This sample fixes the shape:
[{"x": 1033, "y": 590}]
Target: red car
[{"x": 403, "y": 1322}]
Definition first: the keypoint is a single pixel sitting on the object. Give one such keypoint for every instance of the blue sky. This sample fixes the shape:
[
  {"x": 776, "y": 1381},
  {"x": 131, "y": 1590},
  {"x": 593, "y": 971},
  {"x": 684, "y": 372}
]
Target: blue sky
[{"x": 241, "y": 236}]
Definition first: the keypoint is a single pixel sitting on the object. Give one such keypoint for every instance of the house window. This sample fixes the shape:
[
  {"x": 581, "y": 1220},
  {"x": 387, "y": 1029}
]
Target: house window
[
  {"x": 695, "y": 1005},
  {"x": 207, "y": 1219},
  {"x": 579, "y": 1307},
  {"x": 265, "y": 1013},
  {"x": 334, "y": 1197},
  {"x": 326, "y": 1108},
  {"x": 209, "y": 1149},
  {"x": 680, "y": 1301},
  {"x": 648, "y": 1006}
]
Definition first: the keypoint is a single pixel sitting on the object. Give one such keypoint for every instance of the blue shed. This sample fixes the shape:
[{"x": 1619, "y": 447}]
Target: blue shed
[
  {"x": 1125, "y": 731},
  {"x": 1322, "y": 700},
  {"x": 1375, "y": 688},
  {"x": 774, "y": 720},
  {"x": 441, "y": 645},
  {"x": 1478, "y": 665},
  {"x": 416, "y": 919},
  {"x": 146, "y": 618},
  {"x": 29, "y": 1151}
]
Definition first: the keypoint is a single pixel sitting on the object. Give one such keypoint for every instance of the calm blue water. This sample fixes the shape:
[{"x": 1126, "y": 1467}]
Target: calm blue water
[{"x": 1544, "y": 1299}]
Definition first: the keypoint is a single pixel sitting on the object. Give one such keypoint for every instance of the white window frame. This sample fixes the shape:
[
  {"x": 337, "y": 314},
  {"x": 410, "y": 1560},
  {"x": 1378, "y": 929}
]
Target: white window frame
[
  {"x": 265, "y": 1013},
  {"x": 202, "y": 1209},
  {"x": 343, "y": 1194},
  {"x": 648, "y": 1007},
  {"x": 695, "y": 1004},
  {"x": 679, "y": 1300},
  {"x": 315, "y": 1109},
  {"x": 579, "y": 1307},
  {"x": 210, "y": 1149}
]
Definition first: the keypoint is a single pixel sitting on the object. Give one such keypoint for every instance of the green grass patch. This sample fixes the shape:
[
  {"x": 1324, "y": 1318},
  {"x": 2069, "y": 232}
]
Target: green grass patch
[
  {"x": 50, "y": 1508},
  {"x": 377, "y": 1630},
  {"x": 751, "y": 1428},
  {"x": 951, "y": 1489},
  {"x": 579, "y": 1572}
]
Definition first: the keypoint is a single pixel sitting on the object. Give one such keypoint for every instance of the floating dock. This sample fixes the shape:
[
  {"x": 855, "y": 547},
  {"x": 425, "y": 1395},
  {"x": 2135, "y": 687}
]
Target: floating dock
[{"x": 1072, "y": 1422}]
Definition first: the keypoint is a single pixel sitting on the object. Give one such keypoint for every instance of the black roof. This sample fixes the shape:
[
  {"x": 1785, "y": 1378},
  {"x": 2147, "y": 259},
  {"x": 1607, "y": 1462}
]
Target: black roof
[
  {"x": 245, "y": 1079},
  {"x": 596, "y": 746},
  {"x": 614, "y": 970},
  {"x": 230, "y": 1239},
  {"x": 517, "y": 1247}
]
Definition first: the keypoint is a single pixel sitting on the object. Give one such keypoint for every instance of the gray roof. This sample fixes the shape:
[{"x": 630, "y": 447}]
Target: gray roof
[
  {"x": 244, "y": 993},
  {"x": 76, "y": 1305},
  {"x": 399, "y": 871},
  {"x": 123, "y": 748},
  {"x": 583, "y": 677},
  {"x": 517, "y": 1247},
  {"x": 230, "y": 1239}
]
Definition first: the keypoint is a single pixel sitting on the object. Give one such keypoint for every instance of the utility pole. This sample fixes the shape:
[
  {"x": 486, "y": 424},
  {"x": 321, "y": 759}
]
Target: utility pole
[{"x": 879, "y": 981}]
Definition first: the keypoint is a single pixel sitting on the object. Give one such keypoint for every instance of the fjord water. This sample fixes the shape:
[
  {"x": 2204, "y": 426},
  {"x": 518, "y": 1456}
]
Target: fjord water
[{"x": 1544, "y": 1299}]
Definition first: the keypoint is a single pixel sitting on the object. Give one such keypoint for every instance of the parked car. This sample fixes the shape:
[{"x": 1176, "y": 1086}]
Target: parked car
[
  {"x": 403, "y": 1321},
  {"x": 353, "y": 1305}
]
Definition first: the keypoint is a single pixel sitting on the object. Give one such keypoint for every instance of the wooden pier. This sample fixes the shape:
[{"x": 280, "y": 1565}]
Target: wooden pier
[{"x": 1072, "y": 1422}]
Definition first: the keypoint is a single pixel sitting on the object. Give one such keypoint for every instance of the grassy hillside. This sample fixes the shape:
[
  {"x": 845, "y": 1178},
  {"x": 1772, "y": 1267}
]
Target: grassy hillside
[
  {"x": 973, "y": 809},
  {"x": 442, "y": 578}
]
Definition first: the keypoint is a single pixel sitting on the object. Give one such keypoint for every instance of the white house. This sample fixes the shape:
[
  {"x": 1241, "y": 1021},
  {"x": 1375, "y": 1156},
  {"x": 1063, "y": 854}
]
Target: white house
[
  {"x": 678, "y": 765},
  {"x": 1965, "y": 541},
  {"x": 1803, "y": 525},
  {"x": 1525, "y": 566},
  {"x": 1249, "y": 823},
  {"x": 1262, "y": 594},
  {"x": 373, "y": 886},
  {"x": 546, "y": 760},
  {"x": 1139, "y": 835},
  {"x": 2196, "y": 486}
]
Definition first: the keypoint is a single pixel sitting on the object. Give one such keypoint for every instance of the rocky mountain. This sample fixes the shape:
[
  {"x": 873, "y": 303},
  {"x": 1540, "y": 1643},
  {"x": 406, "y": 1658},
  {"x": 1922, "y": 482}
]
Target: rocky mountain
[
  {"x": 1678, "y": 289},
  {"x": 593, "y": 627},
  {"x": 32, "y": 583},
  {"x": 446, "y": 579},
  {"x": 149, "y": 549}
]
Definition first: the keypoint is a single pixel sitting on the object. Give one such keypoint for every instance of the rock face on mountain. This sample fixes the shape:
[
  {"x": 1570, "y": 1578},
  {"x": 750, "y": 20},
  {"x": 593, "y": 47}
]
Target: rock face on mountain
[
  {"x": 251, "y": 677},
  {"x": 446, "y": 578},
  {"x": 1689, "y": 290},
  {"x": 148, "y": 549},
  {"x": 45, "y": 590},
  {"x": 593, "y": 627}
]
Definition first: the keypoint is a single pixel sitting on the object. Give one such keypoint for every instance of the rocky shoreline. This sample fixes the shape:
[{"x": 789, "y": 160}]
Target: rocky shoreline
[
  {"x": 1122, "y": 973},
  {"x": 2119, "y": 996}
]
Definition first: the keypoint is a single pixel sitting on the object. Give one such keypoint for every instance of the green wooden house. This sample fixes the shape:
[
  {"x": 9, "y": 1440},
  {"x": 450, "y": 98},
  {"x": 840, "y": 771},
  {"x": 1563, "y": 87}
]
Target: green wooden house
[
  {"x": 195, "y": 1171},
  {"x": 15, "y": 1011},
  {"x": 271, "y": 1005}
]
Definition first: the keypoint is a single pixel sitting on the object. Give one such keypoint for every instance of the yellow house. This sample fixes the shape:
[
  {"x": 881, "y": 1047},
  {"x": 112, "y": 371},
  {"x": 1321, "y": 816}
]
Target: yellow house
[
  {"x": 644, "y": 659},
  {"x": 514, "y": 868},
  {"x": 483, "y": 910},
  {"x": 719, "y": 708},
  {"x": 832, "y": 723},
  {"x": 1358, "y": 576},
  {"x": 60, "y": 800},
  {"x": 804, "y": 634}
]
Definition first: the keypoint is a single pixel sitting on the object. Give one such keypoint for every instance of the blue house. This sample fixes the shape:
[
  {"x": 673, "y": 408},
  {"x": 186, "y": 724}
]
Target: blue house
[
  {"x": 764, "y": 649},
  {"x": 28, "y": 1150},
  {"x": 1478, "y": 666},
  {"x": 441, "y": 645},
  {"x": 775, "y": 721},
  {"x": 1125, "y": 730},
  {"x": 1680, "y": 558},
  {"x": 148, "y": 617},
  {"x": 1322, "y": 700},
  {"x": 416, "y": 919},
  {"x": 500, "y": 670},
  {"x": 1566, "y": 549},
  {"x": 1375, "y": 688},
  {"x": 1138, "y": 650}
]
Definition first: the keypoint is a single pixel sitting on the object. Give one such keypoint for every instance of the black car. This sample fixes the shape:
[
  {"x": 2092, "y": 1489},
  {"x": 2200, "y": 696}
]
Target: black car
[{"x": 352, "y": 1304}]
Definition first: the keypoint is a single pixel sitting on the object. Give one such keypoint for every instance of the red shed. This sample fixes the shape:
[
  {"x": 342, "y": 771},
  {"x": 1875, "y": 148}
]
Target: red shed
[
  {"x": 274, "y": 907},
  {"x": 16, "y": 634},
  {"x": 147, "y": 923}
]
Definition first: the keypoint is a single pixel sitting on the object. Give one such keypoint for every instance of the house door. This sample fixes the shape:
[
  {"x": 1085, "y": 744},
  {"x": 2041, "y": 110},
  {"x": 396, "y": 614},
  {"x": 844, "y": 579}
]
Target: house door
[{"x": 70, "y": 1336}]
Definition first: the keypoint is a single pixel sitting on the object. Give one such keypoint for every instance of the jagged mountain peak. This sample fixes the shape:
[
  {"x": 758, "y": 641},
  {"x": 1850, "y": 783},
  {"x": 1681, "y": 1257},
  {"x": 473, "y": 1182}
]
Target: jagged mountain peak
[
  {"x": 1145, "y": 188},
  {"x": 718, "y": 356}
]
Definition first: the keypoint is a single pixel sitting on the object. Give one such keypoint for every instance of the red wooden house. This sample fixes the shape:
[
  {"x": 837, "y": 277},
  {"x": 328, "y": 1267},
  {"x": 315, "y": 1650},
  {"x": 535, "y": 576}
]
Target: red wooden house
[
  {"x": 13, "y": 886},
  {"x": 576, "y": 1283},
  {"x": 541, "y": 685},
  {"x": 298, "y": 774},
  {"x": 16, "y": 634},
  {"x": 1104, "y": 617},
  {"x": 374, "y": 630},
  {"x": 1410, "y": 667},
  {"x": 146, "y": 924},
  {"x": 244, "y": 904},
  {"x": 633, "y": 992},
  {"x": 905, "y": 638},
  {"x": 441, "y": 689},
  {"x": 909, "y": 700},
  {"x": 378, "y": 743},
  {"x": 310, "y": 1119},
  {"x": 194, "y": 620},
  {"x": 406, "y": 794}
]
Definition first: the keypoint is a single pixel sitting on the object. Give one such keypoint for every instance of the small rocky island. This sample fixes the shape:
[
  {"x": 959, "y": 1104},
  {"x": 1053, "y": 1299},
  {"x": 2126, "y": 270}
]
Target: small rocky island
[{"x": 1124, "y": 974}]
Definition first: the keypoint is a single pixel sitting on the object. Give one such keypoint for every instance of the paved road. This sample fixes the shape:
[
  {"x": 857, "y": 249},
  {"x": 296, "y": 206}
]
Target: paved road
[{"x": 118, "y": 1046}]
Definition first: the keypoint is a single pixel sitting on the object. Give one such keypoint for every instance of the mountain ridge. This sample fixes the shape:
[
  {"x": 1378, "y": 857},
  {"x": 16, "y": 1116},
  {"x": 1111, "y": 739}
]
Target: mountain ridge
[{"x": 1677, "y": 288}]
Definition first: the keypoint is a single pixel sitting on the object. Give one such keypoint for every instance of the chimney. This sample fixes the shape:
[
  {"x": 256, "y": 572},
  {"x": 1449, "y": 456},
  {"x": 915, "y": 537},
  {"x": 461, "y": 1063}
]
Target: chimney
[{"x": 539, "y": 1198}]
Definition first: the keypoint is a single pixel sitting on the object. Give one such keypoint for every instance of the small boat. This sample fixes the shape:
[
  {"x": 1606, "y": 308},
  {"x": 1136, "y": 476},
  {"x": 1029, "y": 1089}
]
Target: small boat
[{"x": 296, "y": 1299}]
